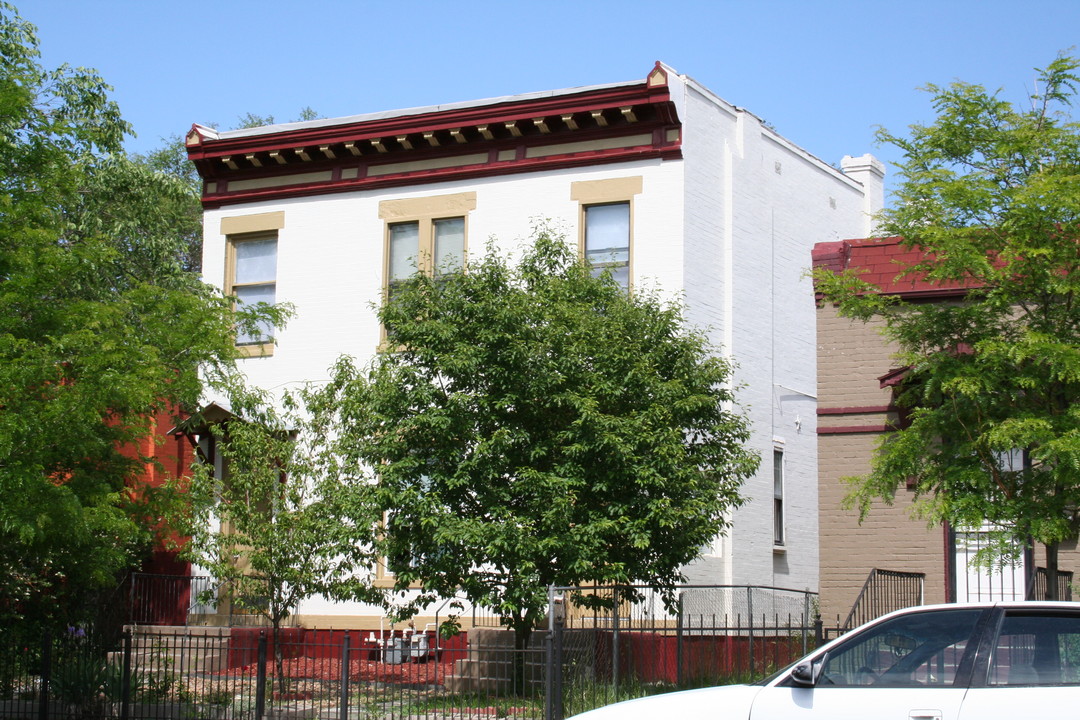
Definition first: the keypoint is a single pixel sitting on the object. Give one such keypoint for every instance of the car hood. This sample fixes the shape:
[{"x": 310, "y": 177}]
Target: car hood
[{"x": 726, "y": 701}]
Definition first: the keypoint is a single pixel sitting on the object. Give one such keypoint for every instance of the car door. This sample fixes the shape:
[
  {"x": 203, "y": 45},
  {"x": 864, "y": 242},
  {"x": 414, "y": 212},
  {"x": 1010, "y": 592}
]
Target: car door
[
  {"x": 914, "y": 666},
  {"x": 1034, "y": 668}
]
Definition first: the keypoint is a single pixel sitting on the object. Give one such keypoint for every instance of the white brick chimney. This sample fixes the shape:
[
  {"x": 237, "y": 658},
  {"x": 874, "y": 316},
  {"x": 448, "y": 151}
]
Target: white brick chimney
[{"x": 870, "y": 173}]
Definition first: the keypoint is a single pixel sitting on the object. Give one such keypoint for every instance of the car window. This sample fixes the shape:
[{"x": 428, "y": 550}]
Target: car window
[
  {"x": 1037, "y": 649},
  {"x": 915, "y": 650}
]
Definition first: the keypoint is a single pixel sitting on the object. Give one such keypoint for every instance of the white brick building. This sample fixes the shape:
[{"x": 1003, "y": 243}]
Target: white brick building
[{"x": 708, "y": 201}]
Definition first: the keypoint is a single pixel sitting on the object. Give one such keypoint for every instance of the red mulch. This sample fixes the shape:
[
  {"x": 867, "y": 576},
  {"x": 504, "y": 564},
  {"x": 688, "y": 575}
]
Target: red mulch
[{"x": 412, "y": 673}]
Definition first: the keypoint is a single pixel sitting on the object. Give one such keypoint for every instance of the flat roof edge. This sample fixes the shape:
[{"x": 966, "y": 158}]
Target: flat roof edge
[{"x": 406, "y": 112}]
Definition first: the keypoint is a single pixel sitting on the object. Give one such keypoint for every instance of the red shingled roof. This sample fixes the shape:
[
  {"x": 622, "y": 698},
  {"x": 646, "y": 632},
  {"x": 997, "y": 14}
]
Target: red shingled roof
[{"x": 881, "y": 261}]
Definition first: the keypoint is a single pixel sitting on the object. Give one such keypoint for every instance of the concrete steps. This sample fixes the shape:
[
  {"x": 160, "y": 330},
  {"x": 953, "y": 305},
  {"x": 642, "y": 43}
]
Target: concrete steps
[
  {"x": 489, "y": 669},
  {"x": 181, "y": 649}
]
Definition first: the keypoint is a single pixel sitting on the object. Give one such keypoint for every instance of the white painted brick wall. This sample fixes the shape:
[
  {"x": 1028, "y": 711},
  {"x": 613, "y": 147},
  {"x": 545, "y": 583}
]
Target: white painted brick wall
[
  {"x": 722, "y": 226},
  {"x": 771, "y": 202}
]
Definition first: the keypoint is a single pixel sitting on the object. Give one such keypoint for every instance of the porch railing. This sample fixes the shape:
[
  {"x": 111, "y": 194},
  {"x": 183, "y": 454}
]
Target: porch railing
[
  {"x": 883, "y": 592},
  {"x": 168, "y": 599},
  {"x": 1036, "y": 589}
]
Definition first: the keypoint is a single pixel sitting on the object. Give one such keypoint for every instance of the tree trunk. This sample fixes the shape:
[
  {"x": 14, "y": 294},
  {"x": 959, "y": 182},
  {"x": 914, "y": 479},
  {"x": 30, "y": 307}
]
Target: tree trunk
[
  {"x": 1052, "y": 571},
  {"x": 523, "y": 628},
  {"x": 280, "y": 684}
]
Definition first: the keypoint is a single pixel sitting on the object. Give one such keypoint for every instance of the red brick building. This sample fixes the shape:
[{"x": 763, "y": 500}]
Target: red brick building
[{"x": 161, "y": 590}]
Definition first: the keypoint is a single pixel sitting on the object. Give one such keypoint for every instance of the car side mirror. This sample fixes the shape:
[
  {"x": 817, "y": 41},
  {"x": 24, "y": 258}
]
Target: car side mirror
[{"x": 806, "y": 673}]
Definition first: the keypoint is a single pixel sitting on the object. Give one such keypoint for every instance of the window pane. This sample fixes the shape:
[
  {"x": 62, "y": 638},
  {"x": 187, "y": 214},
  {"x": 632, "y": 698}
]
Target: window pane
[
  {"x": 778, "y": 497},
  {"x": 449, "y": 244},
  {"x": 607, "y": 240},
  {"x": 404, "y": 250},
  {"x": 1038, "y": 649},
  {"x": 607, "y": 233},
  {"x": 1011, "y": 461},
  {"x": 778, "y": 521},
  {"x": 256, "y": 261},
  {"x": 619, "y": 273},
  {"x": 909, "y": 651},
  {"x": 778, "y": 474},
  {"x": 249, "y": 296},
  {"x": 256, "y": 294},
  {"x": 609, "y": 257}
]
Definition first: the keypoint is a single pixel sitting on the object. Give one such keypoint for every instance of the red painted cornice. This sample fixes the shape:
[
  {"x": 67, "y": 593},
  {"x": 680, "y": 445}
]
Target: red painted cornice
[
  {"x": 495, "y": 114},
  {"x": 599, "y": 125}
]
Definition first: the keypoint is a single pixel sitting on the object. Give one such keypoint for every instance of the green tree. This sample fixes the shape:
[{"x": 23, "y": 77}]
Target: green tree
[
  {"x": 990, "y": 193},
  {"x": 101, "y": 328},
  {"x": 276, "y": 525},
  {"x": 181, "y": 211},
  {"x": 533, "y": 425}
]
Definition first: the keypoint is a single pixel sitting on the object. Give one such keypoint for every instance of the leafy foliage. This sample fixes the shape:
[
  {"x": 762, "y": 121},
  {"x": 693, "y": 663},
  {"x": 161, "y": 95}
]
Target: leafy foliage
[
  {"x": 991, "y": 195},
  {"x": 276, "y": 525},
  {"x": 271, "y": 519},
  {"x": 180, "y": 209},
  {"x": 534, "y": 425},
  {"x": 101, "y": 327}
]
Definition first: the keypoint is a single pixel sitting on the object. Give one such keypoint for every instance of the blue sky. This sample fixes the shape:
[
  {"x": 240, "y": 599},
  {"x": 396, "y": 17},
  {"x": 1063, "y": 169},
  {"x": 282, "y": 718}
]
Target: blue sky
[{"x": 824, "y": 73}]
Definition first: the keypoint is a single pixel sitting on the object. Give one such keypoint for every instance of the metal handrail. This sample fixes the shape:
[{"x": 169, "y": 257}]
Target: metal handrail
[
  {"x": 158, "y": 599},
  {"x": 1036, "y": 589},
  {"x": 883, "y": 592}
]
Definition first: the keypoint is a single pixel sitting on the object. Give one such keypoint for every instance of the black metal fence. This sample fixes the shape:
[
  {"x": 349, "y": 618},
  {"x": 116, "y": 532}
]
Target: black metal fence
[
  {"x": 602, "y": 645},
  {"x": 243, "y": 673},
  {"x": 616, "y": 643}
]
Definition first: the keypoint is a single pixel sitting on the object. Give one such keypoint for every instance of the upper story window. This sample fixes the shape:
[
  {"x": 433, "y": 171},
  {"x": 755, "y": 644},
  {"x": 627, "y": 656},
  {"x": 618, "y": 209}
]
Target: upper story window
[
  {"x": 606, "y": 217},
  {"x": 403, "y": 253},
  {"x": 429, "y": 246},
  {"x": 448, "y": 244},
  {"x": 425, "y": 234},
  {"x": 607, "y": 240},
  {"x": 251, "y": 253},
  {"x": 255, "y": 280}
]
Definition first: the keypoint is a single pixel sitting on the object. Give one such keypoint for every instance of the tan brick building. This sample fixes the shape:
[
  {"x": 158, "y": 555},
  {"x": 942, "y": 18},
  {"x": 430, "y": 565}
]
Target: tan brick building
[{"x": 856, "y": 377}]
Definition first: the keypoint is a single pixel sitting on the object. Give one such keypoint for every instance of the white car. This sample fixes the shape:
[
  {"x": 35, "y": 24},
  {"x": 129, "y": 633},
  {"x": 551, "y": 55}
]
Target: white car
[{"x": 936, "y": 662}]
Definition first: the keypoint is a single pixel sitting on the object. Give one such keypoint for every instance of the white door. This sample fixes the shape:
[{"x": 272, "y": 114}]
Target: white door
[
  {"x": 1010, "y": 703},
  {"x": 975, "y": 582}
]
